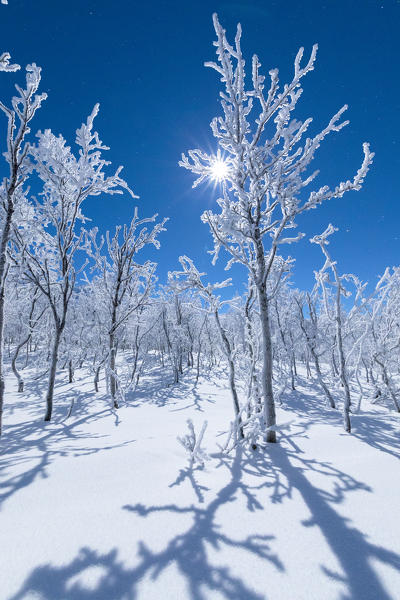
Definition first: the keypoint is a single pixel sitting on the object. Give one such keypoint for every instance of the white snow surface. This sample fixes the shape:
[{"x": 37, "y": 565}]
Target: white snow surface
[{"x": 103, "y": 506}]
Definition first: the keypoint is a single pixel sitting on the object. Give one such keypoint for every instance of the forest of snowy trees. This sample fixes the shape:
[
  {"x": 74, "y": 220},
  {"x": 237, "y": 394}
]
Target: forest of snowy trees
[{"x": 72, "y": 299}]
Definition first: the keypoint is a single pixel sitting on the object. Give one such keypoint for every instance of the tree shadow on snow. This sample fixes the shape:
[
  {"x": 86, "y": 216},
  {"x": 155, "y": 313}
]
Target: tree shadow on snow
[
  {"x": 379, "y": 427},
  {"x": 351, "y": 548},
  {"x": 285, "y": 471},
  {"x": 187, "y": 551},
  {"x": 189, "y": 474},
  {"x": 158, "y": 389},
  {"x": 260, "y": 478},
  {"x": 279, "y": 475},
  {"x": 379, "y": 431},
  {"x": 29, "y": 447}
]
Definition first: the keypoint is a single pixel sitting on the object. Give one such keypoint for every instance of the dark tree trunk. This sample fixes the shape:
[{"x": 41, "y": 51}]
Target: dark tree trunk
[
  {"x": 52, "y": 375},
  {"x": 231, "y": 365},
  {"x": 3, "y": 276},
  {"x": 70, "y": 372},
  {"x": 268, "y": 394},
  {"x": 14, "y": 364}
]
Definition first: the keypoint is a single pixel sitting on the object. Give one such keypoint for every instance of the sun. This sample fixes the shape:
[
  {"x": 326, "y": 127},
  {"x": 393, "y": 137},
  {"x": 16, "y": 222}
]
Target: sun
[{"x": 219, "y": 170}]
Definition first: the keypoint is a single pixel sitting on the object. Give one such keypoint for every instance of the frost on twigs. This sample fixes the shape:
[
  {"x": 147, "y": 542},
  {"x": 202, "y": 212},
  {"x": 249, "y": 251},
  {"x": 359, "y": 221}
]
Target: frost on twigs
[
  {"x": 5, "y": 60},
  {"x": 191, "y": 278},
  {"x": 268, "y": 156},
  {"x": 192, "y": 444},
  {"x": 254, "y": 433}
]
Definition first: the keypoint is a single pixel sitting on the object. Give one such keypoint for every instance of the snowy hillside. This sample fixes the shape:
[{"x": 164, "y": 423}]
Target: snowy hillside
[{"x": 103, "y": 506}]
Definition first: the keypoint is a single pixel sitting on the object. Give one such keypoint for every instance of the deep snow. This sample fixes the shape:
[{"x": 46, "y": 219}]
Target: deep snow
[{"x": 103, "y": 506}]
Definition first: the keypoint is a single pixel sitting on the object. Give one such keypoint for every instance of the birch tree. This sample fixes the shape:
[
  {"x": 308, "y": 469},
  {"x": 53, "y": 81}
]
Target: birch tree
[
  {"x": 12, "y": 188},
  {"x": 126, "y": 284},
  {"x": 311, "y": 334},
  {"x": 29, "y": 314},
  {"x": 322, "y": 277},
  {"x": 383, "y": 323},
  {"x": 50, "y": 260},
  {"x": 262, "y": 162},
  {"x": 191, "y": 278}
]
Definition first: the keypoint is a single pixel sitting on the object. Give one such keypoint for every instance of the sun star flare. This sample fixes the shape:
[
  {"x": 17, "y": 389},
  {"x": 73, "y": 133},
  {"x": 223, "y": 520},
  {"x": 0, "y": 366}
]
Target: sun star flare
[{"x": 219, "y": 170}]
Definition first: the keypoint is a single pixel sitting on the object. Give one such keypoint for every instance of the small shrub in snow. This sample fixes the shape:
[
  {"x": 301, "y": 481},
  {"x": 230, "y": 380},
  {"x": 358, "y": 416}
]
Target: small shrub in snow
[{"x": 192, "y": 444}]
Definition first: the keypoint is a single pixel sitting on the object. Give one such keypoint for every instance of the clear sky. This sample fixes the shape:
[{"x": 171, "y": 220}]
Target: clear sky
[{"x": 143, "y": 61}]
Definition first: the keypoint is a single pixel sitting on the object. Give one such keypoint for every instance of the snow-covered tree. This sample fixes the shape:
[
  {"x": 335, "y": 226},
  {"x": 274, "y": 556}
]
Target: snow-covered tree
[
  {"x": 28, "y": 311},
  {"x": 337, "y": 316},
  {"x": 262, "y": 162},
  {"x": 12, "y": 188},
  {"x": 312, "y": 333},
  {"x": 191, "y": 278},
  {"x": 381, "y": 336},
  {"x": 125, "y": 284},
  {"x": 50, "y": 259}
]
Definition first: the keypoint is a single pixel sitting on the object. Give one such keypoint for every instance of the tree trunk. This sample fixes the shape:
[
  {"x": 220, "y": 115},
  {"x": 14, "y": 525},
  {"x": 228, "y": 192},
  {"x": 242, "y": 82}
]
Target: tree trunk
[
  {"x": 294, "y": 359},
  {"x": 334, "y": 368},
  {"x": 170, "y": 350},
  {"x": 231, "y": 365},
  {"x": 70, "y": 372},
  {"x": 14, "y": 364},
  {"x": 52, "y": 376},
  {"x": 268, "y": 394},
  {"x": 292, "y": 375},
  {"x": 96, "y": 379},
  {"x": 386, "y": 381},
  {"x": 309, "y": 374},
  {"x": 113, "y": 381},
  {"x": 3, "y": 276},
  {"x": 198, "y": 363},
  {"x": 252, "y": 388},
  {"x": 342, "y": 363},
  {"x": 322, "y": 383},
  {"x": 378, "y": 391}
]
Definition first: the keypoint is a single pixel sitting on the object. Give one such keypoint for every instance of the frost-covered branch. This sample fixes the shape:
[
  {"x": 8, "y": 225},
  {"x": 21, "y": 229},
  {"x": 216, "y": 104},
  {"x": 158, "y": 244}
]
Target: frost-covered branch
[{"x": 5, "y": 60}]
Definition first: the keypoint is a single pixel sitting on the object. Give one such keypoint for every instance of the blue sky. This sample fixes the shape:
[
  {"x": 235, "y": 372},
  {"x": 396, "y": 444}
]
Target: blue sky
[{"x": 143, "y": 61}]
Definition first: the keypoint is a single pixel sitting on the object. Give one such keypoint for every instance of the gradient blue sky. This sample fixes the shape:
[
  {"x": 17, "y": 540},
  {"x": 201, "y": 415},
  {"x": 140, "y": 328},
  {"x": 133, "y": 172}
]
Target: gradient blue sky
[{"x": 143, "y": 61}]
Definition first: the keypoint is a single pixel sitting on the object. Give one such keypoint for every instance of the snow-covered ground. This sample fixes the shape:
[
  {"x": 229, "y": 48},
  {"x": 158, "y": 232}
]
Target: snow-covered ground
[{"x": 103, "y": 506}]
